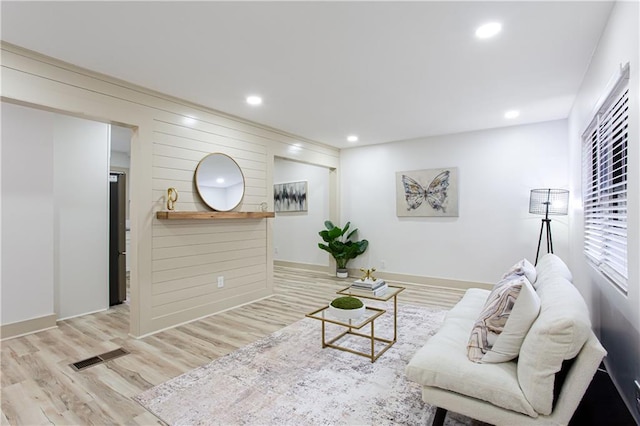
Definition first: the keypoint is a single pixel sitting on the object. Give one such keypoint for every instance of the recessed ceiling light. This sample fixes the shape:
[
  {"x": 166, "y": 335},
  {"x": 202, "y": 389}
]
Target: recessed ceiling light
[
  {"x": 220, "y": 180},
  {"x": 254, "y": 100},
  {"x": 488, "y": 30},
  {"x": 511, "y": 114},
  {"x": 352, "y": 138}
]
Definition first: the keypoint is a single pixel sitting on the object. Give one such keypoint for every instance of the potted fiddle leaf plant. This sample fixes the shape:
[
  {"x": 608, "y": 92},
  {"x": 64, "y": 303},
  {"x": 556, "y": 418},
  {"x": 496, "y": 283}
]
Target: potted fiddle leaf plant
[{"x": 342, "y": 248}]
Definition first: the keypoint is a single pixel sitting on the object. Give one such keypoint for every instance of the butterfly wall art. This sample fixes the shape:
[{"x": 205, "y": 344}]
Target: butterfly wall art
[{"x": 432, "y": 192}]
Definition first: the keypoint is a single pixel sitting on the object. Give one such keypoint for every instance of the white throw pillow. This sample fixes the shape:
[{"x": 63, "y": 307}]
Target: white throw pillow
[
  {"x": 505, "y": 319},
  {"x": 523, "y": 267}
]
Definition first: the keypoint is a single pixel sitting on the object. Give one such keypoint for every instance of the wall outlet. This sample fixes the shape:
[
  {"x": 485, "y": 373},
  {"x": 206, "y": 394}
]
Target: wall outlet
[
  {"x": 383, "y": 264},
  {"x": 220, "y": 282},
  {"x": 275, "y": 250},
  {"x": 637, "y": 387}
]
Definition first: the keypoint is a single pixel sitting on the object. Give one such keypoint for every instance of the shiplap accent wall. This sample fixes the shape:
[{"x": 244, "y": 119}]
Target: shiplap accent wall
[
  {"x": 175, "y": 264},
  {"x": 188, "y": 257}
]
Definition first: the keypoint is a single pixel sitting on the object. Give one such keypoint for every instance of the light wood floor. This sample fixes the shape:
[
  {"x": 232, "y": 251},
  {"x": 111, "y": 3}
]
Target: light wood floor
[{"x": 39, "y": 387}]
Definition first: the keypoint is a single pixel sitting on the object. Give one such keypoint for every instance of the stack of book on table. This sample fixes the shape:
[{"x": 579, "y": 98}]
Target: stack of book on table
[{"x": 376, "y": 288}]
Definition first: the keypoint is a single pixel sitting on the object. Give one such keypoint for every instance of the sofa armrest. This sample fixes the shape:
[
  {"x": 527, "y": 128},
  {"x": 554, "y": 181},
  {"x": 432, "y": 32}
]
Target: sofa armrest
[{"x": 578, "y": 379}]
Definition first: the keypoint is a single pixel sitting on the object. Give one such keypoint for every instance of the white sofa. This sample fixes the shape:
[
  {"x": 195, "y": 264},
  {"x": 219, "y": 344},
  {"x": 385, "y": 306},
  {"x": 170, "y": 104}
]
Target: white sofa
[{"x": 521, "y": 391}]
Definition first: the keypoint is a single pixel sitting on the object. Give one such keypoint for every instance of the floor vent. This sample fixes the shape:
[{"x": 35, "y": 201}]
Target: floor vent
[
  {"x": 95, "y": 360},
  {"x": 86, "y": 363},
  {"x": 113, "y": 354}
]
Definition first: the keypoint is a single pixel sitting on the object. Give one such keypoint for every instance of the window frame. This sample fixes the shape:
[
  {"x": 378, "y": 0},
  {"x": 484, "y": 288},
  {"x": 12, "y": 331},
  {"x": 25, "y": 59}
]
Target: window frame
[{"x": 605, "y": 184}]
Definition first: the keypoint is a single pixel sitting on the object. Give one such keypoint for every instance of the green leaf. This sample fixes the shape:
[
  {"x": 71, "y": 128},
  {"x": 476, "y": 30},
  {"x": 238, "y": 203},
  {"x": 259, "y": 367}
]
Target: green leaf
[
  {"x": 325, "y": 236},
  {"x": 346, "y": 227},
  {"x": 335, "y": 233},
  {"x": 324, "y": 247}
]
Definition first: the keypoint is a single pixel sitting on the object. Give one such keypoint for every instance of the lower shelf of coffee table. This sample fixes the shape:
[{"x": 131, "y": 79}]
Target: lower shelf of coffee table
[{"x": 371, "y": 314}]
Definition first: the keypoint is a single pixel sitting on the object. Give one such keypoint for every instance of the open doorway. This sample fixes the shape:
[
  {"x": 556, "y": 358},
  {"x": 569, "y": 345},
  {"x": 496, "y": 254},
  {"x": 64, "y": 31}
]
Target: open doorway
[
  {"x": 302, "y": 251},
  {"x": 119, "y": 219}
]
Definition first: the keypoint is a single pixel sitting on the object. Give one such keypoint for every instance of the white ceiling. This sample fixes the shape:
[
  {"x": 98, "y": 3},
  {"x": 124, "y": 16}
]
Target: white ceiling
[{"x": 386, "y": 71}]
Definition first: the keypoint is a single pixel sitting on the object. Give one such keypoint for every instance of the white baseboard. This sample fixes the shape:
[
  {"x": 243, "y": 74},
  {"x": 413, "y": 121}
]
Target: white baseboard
[
  {"x": 305, "y": 266},
  {"x": 22, "y": 328},
  {"x": 426, "y": 281},
  {"x": 83, "y": 314},
  {"x": 393, "y": 277}
]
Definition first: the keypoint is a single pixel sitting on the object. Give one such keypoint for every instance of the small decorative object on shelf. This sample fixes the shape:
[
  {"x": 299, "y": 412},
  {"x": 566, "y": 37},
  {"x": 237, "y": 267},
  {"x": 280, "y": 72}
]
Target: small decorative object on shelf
[
  {"x": 370, "y": 284},
  {"x": 347, "y": 308},
  {"x": 172, "y": 197},
  {"x": 368, "y": 274}
]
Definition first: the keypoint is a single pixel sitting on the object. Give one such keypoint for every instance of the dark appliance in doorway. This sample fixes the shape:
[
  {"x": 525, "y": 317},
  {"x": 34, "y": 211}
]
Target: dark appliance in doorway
[{"x": 117, "y": 239}]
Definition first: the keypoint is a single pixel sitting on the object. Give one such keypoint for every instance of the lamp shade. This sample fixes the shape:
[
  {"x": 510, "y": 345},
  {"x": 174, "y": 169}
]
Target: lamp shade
[{"x": 549, "y": 201}]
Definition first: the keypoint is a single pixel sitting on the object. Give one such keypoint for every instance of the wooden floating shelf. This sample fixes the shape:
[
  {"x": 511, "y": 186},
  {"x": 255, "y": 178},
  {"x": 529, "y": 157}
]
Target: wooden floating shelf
[{"x": 173, "y": 215}]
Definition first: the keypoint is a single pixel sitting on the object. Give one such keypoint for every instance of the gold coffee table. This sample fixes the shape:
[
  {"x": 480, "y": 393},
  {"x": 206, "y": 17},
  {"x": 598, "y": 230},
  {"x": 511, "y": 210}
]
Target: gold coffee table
[
  {"x": 370, "y": 314},
  {"x": 392, "y": 292}
]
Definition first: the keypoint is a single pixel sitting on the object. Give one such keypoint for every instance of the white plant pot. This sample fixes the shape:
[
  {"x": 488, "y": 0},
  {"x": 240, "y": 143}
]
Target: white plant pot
[
  {"x": 347, "y": 314},
  {"x": 342, "y": 273}
]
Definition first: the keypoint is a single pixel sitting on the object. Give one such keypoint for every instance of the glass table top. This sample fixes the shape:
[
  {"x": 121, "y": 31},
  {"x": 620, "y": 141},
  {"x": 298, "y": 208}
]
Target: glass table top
[{"x": 327, "y": 313}]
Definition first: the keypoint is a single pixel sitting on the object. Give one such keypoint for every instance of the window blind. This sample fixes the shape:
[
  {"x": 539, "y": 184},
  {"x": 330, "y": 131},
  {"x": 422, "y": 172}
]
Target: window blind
[{"x": 604, "y": 185}]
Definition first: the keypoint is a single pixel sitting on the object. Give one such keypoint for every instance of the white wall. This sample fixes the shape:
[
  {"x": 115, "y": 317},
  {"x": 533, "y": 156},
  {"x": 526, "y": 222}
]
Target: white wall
[
  {"x": 55, "y": 215},
  {"x": 27, "y": 214},
  {"x": 295, "y": 234},
  {"x": 119, "y": 160},
  {"x": 497, "y": 169},
  {"x": 81, "y": 220},
  {"x": 616, "y": 317}
]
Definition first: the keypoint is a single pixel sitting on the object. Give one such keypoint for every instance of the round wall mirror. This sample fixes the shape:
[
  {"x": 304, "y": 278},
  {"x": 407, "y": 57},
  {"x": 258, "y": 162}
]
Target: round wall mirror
[{"x": 220, "y": 182}]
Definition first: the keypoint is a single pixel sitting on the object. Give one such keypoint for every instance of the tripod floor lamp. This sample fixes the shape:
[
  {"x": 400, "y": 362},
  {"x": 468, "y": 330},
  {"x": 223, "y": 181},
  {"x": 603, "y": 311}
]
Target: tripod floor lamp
[{"x": 548, "y": 202}]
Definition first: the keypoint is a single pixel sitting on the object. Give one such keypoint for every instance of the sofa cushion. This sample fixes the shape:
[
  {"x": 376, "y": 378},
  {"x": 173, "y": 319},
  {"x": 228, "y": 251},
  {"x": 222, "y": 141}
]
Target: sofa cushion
[
  {"x": 442, "y": 362},
  {"x": 500, "y": 328},
  {"x": 551, "y": 265},
  {"x": 558, "y": 334},
  {"x": 523, "y": 267},
  {"x": 470, "y": 305}
]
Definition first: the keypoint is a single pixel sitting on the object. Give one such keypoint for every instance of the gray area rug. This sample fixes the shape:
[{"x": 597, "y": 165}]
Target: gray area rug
[{"x": 288, "y": 379}]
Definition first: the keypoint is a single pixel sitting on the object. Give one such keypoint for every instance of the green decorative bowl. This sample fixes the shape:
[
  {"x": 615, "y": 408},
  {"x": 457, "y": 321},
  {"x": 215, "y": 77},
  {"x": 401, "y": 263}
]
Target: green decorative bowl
[{"x": 347, "y": 308}]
